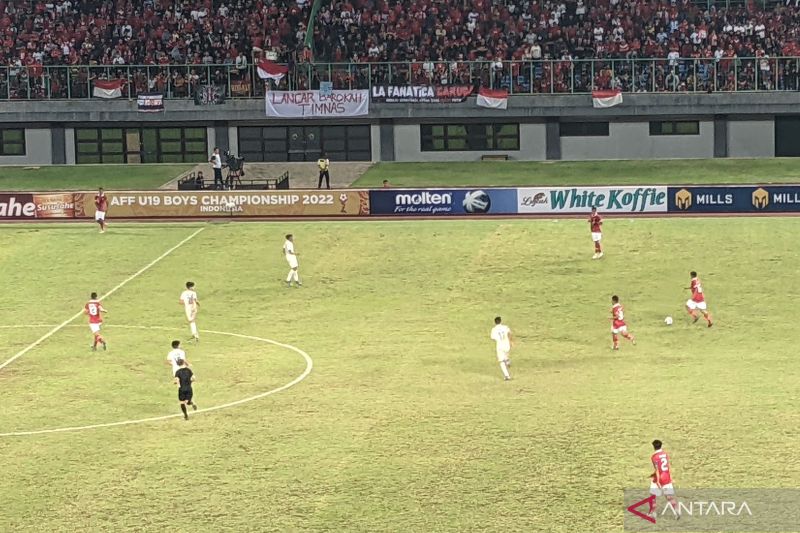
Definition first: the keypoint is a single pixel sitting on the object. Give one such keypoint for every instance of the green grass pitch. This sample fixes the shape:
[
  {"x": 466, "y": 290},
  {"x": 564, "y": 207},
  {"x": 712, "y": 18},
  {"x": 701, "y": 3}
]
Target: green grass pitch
[
  {"x": 456, "y": 174},
  {"x": 88, "y": 177},
  {"x": 570, "y": 173},
  {"x": 404, "y": 423}
]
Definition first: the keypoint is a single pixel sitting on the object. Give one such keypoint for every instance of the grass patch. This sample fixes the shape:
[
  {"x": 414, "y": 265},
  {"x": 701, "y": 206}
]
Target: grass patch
[
  {"x": 567, "y": 173},
  {"x": 88, "y": 177}
]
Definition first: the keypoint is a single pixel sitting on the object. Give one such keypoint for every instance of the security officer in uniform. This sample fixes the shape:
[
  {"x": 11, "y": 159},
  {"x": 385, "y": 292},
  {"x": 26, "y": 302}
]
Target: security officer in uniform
[{"x": 324, "y": 163}]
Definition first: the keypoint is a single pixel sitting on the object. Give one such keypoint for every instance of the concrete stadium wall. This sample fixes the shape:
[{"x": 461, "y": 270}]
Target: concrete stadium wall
[
  {"x": 751, "y": 138},
  {"x": 69, "y": 145},
  {"x": 632, "y": 140},
  {"x": 38, "y": 149},
  {"x": 407, "y": 147},
  {"x": 731, "y": 125},
  {"x": 375, "y": 142}
]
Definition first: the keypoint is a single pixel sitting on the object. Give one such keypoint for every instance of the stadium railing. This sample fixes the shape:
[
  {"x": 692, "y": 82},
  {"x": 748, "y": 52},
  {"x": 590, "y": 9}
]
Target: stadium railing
[{"x": 565, "y": 76}]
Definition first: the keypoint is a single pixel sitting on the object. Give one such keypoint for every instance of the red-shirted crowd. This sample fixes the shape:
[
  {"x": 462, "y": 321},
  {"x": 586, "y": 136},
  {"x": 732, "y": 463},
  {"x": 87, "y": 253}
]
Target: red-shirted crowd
[
  {"x": 217, "y": 40},
  {"x": 698, "y": 47}
]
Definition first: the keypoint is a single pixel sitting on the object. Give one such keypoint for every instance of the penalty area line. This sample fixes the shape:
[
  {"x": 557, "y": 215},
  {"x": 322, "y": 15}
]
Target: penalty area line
[{"x": 124, "y": 282}]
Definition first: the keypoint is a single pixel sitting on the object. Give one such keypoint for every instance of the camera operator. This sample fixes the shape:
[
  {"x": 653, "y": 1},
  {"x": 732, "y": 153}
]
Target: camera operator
[
  {"x": 235, "y": 167},
  {"x": 216, "y": 164}
]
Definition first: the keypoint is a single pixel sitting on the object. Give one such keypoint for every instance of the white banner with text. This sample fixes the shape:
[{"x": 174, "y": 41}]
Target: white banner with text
[{"x": 317, "y": 104}]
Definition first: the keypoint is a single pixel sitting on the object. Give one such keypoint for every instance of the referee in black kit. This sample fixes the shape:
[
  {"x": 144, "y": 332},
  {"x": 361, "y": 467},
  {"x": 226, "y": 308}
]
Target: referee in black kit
[{"x": 183, "y": 379}]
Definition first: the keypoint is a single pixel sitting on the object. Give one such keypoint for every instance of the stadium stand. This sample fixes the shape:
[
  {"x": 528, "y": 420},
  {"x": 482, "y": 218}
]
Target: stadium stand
[
  {"x": 568, "y": 46},
  {"x": 55, "y": 49},
  {"x": 201, "y": 41}
]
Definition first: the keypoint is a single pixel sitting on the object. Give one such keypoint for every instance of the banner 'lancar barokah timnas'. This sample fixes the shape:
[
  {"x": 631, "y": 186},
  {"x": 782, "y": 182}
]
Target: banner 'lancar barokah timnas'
[{"x": 317, "y": 104}]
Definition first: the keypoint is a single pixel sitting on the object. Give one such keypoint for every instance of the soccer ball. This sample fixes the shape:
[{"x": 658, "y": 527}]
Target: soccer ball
[
  {"x": 477, "y": 202},
  {"x": 668, "y": 321}
]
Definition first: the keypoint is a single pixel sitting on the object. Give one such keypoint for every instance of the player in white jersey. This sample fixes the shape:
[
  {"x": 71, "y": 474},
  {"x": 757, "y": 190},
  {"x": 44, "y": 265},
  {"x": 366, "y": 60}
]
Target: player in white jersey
[
  {"x": 175, "y": 355},
  {"x": 501, "y": 335},
  {"x": 291, "y": 258},
  {"x": 190, "y": 305}
]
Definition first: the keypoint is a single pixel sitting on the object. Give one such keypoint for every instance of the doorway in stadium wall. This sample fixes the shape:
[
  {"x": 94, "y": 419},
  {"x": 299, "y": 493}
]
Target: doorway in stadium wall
[{"x": 305, "y": 143}]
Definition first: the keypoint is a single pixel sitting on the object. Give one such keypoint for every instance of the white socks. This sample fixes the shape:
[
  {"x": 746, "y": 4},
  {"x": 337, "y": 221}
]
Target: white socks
[
  {"x": 193, "y": 327},
  {"x": 504, "y": 368},
  {"x": 293, "y": 276}
]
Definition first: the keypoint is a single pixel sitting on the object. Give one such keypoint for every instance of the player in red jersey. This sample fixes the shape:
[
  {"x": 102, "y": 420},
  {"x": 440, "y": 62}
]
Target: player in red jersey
[
  {"x": 595, "y": 223},
  {"x": 697, "y": 301},
  {"x": 618, "y": 325},
  {"x": 101, "y": 206},
  {"x": 94, "y": 309},
  {"x": 661, "y": 479}
]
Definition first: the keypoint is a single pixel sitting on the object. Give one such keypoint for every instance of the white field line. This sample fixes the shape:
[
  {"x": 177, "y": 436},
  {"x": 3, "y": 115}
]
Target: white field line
[
  {"x": 61, "y": 326},
  {"x": 295, "y": 381}
]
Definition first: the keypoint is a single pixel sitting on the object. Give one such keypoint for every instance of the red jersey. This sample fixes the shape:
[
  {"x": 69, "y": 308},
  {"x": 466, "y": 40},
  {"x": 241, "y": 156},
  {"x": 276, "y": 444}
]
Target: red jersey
[
  {"x": 595, "y": 221},
  {"x": 101, "y": 202},
  {"x": 618, "y": 316},
  {"x": 697, "y": 291},
  {"x": 660, "y": 461},
  {"x": 93, "y": 308}
]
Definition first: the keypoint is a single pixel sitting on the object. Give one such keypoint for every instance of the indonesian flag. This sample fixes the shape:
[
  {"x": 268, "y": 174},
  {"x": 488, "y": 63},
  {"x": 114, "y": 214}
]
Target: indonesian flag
[
  {"x": 603, "y": 99},
  {"x": 493, "y": 98},
  {"x": 267, "y": 70},
  {"x": 108, "y": 88}
]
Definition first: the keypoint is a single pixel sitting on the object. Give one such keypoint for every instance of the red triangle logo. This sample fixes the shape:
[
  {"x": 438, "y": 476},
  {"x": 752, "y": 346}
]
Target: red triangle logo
[{"x": 632, "y": 509}]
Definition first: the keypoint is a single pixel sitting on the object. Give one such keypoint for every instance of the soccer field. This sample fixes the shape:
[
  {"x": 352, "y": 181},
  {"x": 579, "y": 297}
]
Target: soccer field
[{"x": 404, "y": 423}]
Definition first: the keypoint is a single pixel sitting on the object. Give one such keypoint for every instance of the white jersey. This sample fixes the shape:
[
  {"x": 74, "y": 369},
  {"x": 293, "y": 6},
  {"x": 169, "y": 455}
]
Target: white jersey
[
  {"x": 501, "y": 334},
  {"x": 288, "y": 249},
  {"x": 173, "y": 357},
  {"x": 189, "y": 299}
]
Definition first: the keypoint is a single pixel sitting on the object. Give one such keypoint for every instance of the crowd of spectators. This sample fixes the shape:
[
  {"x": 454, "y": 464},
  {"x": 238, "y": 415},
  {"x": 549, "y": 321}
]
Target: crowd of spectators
[
  {"x": 217, "y": 38},
  {"x": 700, "y": 46},
  {"x": 524, "y": 45}
]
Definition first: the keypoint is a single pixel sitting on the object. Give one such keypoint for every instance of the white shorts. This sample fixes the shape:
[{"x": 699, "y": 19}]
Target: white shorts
[
  {"x": 100, "y": 215},
  {"x": 191, "y": 314},
  {"x": 691, "y": 304},
  {"x": 596, "y": 236},
  {"x": 665, "y": 490},
  {"x": 502, "y": 355},
  {"x": 292, "y": 260},
  {"x": 621, "y": 329},
  {"x": 94, "y": 327}
]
